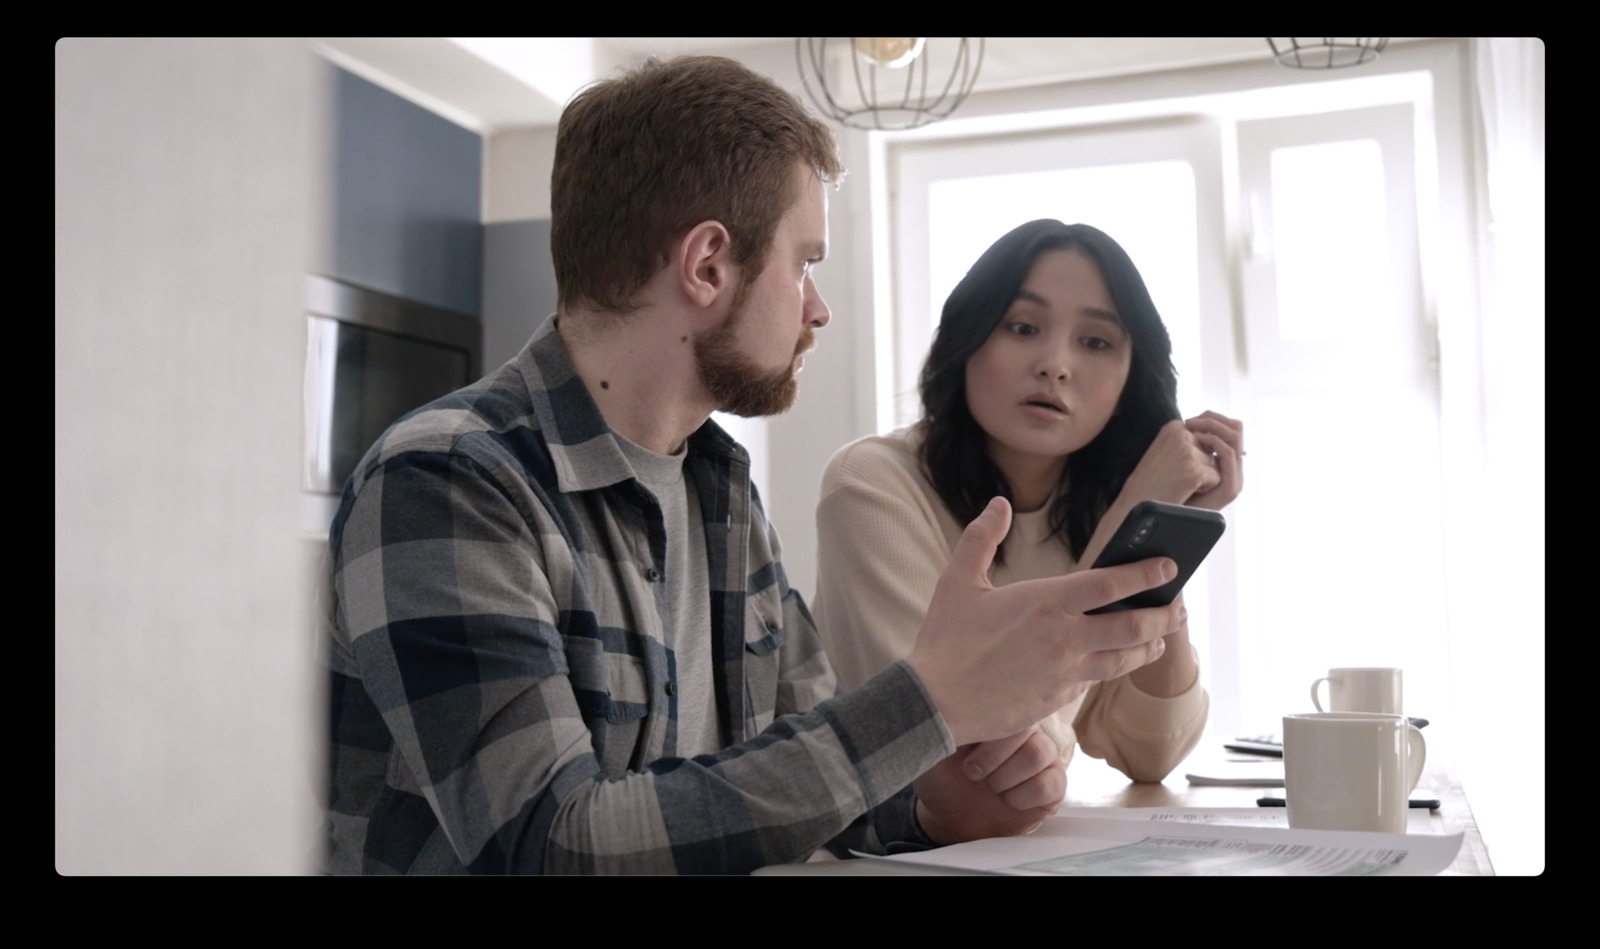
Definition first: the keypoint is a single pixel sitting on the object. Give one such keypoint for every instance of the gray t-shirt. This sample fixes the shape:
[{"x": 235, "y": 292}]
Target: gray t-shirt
[{"x": 688, "y": 626}]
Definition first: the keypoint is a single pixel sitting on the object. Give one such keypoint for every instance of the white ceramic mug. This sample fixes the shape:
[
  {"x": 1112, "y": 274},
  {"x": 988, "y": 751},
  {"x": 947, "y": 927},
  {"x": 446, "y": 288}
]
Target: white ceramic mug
[
  {"x": 1360, "y": 689},
  {"x": 1350, "y": 770}
]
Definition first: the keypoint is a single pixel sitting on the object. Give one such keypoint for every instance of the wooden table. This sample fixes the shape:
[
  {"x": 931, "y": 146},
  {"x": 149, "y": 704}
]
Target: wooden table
[{"x": 1093, "y": 783}]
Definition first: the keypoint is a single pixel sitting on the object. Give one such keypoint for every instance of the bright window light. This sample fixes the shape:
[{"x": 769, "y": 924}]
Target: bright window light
[{"x": 1330, "y": 241}]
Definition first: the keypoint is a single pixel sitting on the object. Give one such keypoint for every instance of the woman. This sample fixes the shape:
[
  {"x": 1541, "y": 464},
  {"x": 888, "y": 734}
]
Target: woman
[{"x": 1050, "y": 381}]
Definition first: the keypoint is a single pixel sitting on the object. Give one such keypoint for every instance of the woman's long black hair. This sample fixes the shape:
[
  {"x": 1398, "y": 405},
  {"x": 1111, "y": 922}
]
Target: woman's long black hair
[{"x": 955, "y": 449}]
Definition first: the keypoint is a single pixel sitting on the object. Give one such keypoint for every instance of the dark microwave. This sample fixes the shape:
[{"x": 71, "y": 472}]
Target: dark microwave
[{"x": 371, "y": 358}]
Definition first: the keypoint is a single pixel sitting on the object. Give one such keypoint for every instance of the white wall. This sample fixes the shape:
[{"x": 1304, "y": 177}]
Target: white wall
[
  {"x": 516, "y": 174},
  {"x": 826, "y": 416},
  {"x": 519, "y": 280},
  {"x": 183, "y": 664}
]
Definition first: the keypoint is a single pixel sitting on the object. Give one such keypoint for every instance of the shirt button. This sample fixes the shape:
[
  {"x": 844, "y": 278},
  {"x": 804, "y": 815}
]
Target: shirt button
[
  {"x": 653, "y": 574},
  {"x": 672, "y": 688}
]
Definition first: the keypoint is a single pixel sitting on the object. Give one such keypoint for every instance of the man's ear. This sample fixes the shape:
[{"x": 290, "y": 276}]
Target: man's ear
[{"x": 706, "y": 270}]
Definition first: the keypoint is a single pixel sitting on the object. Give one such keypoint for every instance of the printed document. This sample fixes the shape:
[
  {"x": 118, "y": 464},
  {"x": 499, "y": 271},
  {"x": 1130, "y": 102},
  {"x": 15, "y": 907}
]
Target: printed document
[{"x": 1185, "y": 842}]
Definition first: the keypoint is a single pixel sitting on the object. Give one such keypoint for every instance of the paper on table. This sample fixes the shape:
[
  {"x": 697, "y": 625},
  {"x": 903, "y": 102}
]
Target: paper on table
[
  {"x": 1248, "y": 771},
  {"x": 1082, "y": 846},
  {"x": 1418, "y": 820},
  {"x": 1251, "y": 816}
]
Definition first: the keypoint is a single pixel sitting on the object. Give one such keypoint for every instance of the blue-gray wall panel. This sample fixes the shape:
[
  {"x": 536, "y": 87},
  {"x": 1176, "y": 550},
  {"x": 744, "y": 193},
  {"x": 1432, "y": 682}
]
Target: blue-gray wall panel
[{"x": 407, "y": 193}]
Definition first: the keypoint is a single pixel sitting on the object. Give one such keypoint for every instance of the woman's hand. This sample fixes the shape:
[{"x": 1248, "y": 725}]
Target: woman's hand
[
  {"x": 1177, "y": 467},
  {"x": 1223, "y": 439},
  {"x": 1194, "y": 462}
]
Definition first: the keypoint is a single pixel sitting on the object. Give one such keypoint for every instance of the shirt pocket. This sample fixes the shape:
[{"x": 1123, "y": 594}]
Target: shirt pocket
[
  {"x": 764, "y": 637},
  {"x": 612, "y": 690}
]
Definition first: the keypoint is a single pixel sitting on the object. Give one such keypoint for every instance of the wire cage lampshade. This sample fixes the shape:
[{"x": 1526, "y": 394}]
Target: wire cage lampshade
[
  {"x": 1326, "y": 52},
  {"x": 888, "y": 83}
]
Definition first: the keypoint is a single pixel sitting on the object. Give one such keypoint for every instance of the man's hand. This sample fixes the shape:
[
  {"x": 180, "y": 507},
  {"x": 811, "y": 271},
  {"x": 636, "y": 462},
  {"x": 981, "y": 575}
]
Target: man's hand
[
  {"x": 997, "y": 660},
  {"x": 994, "y": 789}
]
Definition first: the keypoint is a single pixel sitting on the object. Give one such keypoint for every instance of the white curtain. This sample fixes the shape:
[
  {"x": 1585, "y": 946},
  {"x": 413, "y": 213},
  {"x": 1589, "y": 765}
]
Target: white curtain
[
  {"x": 1497, "y": 599},
  {"x": 1510, "y": 89}
]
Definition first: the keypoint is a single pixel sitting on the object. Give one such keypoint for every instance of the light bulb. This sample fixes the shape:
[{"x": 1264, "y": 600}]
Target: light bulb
[{"x": 890, "y": 52}]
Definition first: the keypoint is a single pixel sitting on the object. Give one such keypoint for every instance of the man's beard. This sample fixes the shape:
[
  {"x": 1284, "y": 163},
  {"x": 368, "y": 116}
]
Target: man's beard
[{"x": 739, "y": 386}]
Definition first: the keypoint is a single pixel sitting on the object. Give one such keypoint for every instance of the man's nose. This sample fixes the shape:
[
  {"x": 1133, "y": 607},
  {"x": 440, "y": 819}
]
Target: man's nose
[{"x": 817, "y": 313}]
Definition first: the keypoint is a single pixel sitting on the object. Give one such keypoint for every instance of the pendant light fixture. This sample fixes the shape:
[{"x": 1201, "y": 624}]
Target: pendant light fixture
[
  {"x": 888, "y": 82},
  {"x": 1326, "y": 52}
]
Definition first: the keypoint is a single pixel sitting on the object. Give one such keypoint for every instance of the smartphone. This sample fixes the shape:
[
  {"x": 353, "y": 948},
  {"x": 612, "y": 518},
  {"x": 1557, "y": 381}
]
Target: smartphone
[{"x": 1158, "y": 529}]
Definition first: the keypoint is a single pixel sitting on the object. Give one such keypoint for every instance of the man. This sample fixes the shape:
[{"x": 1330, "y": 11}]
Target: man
[{"x": 561, "y": 635}]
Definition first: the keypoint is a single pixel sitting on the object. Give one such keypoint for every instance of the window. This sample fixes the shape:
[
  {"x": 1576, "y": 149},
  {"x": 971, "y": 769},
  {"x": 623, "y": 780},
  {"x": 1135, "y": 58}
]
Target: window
[
  {"x": 1339, "y": 383},
  {"x": 1283, "y": 252}
]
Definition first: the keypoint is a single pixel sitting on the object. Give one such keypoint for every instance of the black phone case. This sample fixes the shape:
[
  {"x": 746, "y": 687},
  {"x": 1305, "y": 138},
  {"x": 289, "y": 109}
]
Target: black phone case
[{"x": 1186, "y": 534}]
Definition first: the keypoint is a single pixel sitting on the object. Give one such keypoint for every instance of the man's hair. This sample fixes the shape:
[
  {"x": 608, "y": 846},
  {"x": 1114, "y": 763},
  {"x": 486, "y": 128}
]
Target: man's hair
[
  {"x": 643, "y": 157},
  {"x": 955, "y": 448}
]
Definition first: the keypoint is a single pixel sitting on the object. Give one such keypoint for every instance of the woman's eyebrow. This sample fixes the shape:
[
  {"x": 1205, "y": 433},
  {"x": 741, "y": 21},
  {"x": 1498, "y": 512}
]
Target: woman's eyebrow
[{"x": 1095, "y": 313}]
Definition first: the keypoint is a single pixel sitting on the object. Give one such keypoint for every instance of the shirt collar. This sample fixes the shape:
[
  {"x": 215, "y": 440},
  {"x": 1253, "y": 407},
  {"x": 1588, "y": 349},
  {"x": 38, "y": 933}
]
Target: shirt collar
[{"x": 583, "y": 448}]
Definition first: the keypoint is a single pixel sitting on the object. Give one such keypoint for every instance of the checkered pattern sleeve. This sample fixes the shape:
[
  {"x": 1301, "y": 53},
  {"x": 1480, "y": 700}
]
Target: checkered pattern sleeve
[{"x": 476, "y": 710}]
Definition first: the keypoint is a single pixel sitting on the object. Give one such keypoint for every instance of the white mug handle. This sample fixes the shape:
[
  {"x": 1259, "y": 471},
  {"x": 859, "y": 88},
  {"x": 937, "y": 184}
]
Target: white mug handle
[
  {"x": 1314, "y": 700},
  {"x": 1416, "y": 758}
]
